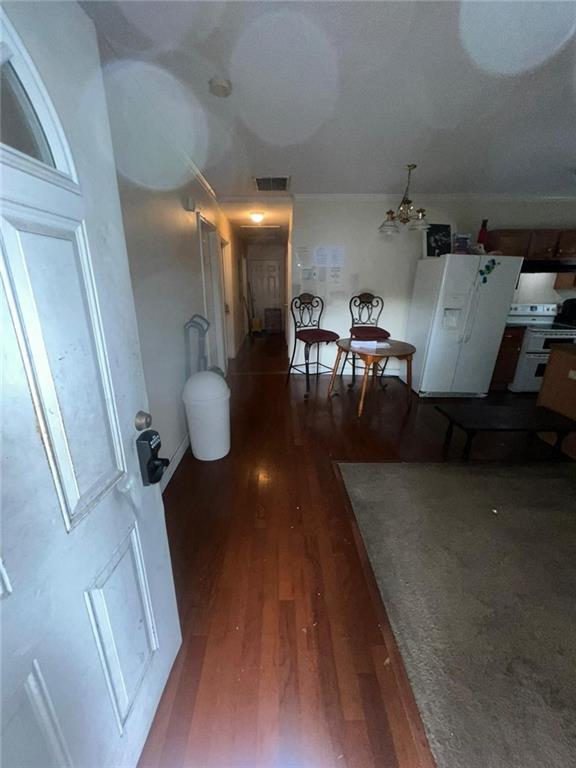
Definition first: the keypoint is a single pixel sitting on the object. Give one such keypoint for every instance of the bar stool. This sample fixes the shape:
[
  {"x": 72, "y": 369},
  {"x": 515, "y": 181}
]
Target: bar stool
[
  {"x": 365, "y": 311},
  {"x": 306, "y": 310}
]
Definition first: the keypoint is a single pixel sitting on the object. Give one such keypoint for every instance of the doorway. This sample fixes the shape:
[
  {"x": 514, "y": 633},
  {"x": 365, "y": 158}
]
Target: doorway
[
  {"x": 266, "y": 284},
  {"x": 213, "y": 289}
]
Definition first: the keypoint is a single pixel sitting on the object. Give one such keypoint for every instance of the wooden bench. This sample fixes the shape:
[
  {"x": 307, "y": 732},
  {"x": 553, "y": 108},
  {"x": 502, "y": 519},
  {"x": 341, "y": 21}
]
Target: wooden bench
[{"x": 480, "y": 417}]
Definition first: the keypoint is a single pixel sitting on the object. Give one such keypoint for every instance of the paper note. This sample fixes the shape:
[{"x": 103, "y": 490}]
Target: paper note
[
  {"x": 329, "y": 255},
  {"x": 369, "y": 345},
  {"x": 335, "y": 277},
  {"x": 302, "y": 255}
]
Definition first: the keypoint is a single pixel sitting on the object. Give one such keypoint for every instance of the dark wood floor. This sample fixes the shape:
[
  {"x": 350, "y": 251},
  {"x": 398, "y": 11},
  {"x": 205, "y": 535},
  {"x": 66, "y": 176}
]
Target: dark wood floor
[{"x": 288, "y": 660}]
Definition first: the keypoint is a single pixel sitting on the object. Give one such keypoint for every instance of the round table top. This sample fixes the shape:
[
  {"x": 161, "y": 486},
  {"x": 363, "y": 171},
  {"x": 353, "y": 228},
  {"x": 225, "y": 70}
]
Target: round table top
[{"x": 388, "y": 348}]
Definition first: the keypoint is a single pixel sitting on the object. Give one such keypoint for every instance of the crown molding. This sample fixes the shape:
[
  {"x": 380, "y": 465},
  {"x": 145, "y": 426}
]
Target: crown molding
[{"x": 439, "y": 197}]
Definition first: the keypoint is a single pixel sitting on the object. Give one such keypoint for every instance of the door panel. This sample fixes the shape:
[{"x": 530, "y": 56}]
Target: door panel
[
  {"x": 33, "y": 736},
  {"x": 265, "y": 277},
  {"x": 49, "y": 273},
  {"x": 123, "y": 624}
]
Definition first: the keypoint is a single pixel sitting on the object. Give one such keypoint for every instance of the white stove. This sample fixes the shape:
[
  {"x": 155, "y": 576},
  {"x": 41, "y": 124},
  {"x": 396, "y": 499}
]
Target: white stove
[
  {"x": 541, "y": 333},
  {"x": 532, "y": 314}
]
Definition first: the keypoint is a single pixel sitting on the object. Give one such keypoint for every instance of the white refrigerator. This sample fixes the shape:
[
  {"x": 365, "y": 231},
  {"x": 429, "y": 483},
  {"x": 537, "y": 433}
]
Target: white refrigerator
[{"x": 457, "y": 317}]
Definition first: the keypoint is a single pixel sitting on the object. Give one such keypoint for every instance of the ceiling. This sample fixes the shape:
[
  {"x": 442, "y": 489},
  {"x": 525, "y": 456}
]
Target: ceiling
[{"x": 340, "y": 96}]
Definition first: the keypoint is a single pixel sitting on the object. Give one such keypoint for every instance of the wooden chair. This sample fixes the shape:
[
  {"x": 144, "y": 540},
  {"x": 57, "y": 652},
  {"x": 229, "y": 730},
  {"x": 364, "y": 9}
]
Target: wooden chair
[
  {"x": 365, "y": 311},
  {"x": 306, "y": 310}
]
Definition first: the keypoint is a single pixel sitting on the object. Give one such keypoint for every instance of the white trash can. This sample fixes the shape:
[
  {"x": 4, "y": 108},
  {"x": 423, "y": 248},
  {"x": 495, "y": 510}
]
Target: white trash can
[{"x": 206, "y": 398}]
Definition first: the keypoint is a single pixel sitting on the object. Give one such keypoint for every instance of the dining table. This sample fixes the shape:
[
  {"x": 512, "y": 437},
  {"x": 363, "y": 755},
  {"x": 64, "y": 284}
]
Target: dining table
[{"x": 372, "y": 355}]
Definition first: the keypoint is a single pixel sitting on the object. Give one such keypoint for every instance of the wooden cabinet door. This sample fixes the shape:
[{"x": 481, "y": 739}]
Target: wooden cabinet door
[
  {"x": 565, "y": 281},
  {"x": 567, "y": 244},
  {"x": 507, "y": 359},
  {"x": 510, "y": 242},
  {"x": 543, "y": 244}
]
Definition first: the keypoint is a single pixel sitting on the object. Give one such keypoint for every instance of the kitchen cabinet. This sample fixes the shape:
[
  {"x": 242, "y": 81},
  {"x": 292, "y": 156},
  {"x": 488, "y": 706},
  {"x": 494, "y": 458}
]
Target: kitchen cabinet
[
  {"x": 536, "y": 244},
  {"x": 543, "y": 244},
  {"x": 512, "y": 242},
  {"x": 567, "y": 244},
  {"x": 508, "y": 355},
  {"x": 558, "y": 390},
  {"x": 565, "y": 281}
]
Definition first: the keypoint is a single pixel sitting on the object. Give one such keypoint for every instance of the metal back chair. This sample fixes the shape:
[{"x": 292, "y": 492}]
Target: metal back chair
[
  {"x": 365, "y": 311},
  {"x": 306, "y": 310}
]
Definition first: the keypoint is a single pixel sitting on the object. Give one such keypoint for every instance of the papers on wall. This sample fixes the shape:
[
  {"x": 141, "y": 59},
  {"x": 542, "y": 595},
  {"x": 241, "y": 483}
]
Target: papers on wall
[
  {"x": 329, "y": 255},
  {"x": 308, "y": 273},
  {"x": 335, "y": 277},
  {"x": 302, "y": 255}
]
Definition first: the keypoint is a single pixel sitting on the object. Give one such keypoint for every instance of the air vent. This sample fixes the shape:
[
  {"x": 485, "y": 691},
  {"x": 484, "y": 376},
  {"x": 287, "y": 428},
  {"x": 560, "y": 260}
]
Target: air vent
[{"x": 272, "y": 183}]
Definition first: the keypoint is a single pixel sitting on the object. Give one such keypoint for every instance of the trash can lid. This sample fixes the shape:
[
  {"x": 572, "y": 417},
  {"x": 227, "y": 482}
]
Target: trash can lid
[{"x": 205, "y": 385}]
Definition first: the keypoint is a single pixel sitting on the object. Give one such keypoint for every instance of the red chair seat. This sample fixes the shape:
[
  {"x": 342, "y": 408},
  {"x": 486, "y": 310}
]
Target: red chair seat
[
  {"x": 369, "y": 333},
  {"x": 316, "y": 335}
]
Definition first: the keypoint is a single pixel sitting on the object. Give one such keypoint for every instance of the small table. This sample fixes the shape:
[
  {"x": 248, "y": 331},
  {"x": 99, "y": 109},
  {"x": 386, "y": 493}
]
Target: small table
[
  {"x": 480, "y": 417},
  {"x": 372, "y": 356}
]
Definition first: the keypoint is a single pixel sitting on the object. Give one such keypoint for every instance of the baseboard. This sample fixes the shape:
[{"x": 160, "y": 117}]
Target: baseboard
[{"x": 174, "y": 461}]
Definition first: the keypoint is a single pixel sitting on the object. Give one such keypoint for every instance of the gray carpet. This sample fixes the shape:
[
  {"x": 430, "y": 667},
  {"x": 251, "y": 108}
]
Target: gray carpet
[{"x": 476, "y": 565}]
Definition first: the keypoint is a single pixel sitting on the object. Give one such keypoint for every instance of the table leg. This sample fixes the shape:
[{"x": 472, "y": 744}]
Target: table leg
[
  {"x": 448, "y": 438},
  {"x": 307, "y": 365},
  {"x": 558, "y": 444},
  {"x": 409, "y": 381},
  {"x": 382, "y": 371},
  {"x": 353, "y": 382},
  {"x": 335, "y": 371},
  {"x": 470, "y": 435},
  {"x": 364, "y": 383}
]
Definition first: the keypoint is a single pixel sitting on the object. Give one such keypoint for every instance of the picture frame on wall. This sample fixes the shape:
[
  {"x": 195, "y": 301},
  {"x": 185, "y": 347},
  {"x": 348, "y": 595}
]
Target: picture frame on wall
[{"x": 437, "y": 240}]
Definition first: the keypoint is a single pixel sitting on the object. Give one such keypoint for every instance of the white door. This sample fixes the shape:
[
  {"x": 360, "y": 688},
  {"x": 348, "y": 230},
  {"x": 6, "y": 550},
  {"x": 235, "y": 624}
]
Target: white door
[
  {"x": 265, "y": 276},
  {"x": 485, "y": 324},
  {"x": 213, "y": 285},
  {"x": 89, "y": 620}
]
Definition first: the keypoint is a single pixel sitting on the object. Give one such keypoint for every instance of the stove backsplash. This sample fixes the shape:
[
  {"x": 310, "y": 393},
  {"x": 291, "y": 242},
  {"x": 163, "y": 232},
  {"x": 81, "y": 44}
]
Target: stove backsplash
[{"x": 538, "y": 288}]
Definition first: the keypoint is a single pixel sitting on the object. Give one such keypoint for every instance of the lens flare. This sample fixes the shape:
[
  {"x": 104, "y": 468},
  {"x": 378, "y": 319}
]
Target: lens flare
[
  {"x": 512, "y": 37},
  {"x": 158, "y": 127},
  {"x": 285, "y": 76},
  {"x": 167, "y": 25}
]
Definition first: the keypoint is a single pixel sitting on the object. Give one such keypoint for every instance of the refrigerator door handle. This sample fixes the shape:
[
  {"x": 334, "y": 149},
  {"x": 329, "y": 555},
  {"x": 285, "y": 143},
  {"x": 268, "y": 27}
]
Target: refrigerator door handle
[
  {"x": 464, "y": 331},
  {"x": 471, "y": 313}
]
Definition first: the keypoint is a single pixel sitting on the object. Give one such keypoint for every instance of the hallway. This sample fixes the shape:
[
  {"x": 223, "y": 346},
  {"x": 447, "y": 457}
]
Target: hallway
[{"x": 287, "y": 657}]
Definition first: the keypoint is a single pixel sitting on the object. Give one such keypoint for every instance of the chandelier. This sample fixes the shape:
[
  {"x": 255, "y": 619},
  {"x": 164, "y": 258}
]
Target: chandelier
[{"x": 405, "y": 213}]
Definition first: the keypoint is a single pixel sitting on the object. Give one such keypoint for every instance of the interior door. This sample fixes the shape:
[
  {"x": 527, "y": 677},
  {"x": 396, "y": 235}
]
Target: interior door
[
  {"x": 265, "y": 276},
  {"x": 213, "y": 285},
  {"x": 89, "y": 620}
]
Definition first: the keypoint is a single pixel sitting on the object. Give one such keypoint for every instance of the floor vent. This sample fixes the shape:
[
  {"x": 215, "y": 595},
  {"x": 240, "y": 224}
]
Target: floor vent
[{"x": 272, "y": 183}]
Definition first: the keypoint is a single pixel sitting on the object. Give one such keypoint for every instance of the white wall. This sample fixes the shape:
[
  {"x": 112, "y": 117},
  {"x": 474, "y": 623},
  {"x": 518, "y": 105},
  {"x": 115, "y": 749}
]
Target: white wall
[
  {"x": 165, "y": 267},
  {"x": 385, "y": 265},
  {"x": 162, "y": 238},
  {"x": 539, "y": 288}
]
